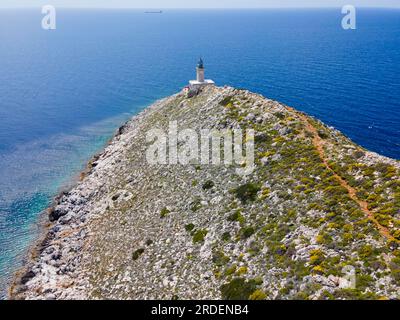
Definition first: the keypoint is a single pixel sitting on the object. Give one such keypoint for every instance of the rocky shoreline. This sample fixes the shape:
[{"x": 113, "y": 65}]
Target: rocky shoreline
[
  {"x": 62, "y": 205},
  {"x": 129, "y": 230}
]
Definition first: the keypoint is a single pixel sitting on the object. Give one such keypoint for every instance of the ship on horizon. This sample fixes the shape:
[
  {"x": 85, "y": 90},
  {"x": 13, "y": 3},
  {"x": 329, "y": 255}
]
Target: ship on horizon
[{"x": 158, "y": 11}]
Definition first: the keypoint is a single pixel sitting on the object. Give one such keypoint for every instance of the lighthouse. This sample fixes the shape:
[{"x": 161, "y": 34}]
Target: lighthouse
[
  {"x": 200, "y": 71},
  {"x": 200, "y": 77}
]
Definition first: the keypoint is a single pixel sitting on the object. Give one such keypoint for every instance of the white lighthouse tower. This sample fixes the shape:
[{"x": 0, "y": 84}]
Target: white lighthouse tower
[
  {"x": 200, "y": 71},
  {"x": 200, "y": 78}
]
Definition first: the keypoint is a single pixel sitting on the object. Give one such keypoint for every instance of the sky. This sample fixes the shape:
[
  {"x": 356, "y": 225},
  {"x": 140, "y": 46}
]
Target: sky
[{"x": 196, "y": 4}]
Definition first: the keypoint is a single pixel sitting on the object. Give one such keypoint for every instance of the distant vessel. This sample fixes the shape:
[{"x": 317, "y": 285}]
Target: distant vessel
[{"x": 159, "y": 11}]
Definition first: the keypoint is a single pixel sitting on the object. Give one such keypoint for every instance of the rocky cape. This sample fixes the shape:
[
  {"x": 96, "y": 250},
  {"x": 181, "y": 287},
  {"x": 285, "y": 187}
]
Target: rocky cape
[{"x": 317, "y": 210}]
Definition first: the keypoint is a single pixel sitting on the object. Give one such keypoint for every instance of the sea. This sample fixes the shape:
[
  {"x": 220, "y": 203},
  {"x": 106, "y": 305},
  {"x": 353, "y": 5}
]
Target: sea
[{"x": 64, "y": 92}]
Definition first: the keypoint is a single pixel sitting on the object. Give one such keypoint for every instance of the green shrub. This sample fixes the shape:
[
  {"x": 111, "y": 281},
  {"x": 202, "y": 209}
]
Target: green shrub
[
  {"x": 199, "y": 236},
  {"x": 279, "y": 115},
  {"x": 164, "y": 212},
  {"x": 226, "y": 236},
  {"x": 189, "y": 227},
  {"x": 208, "y": 185},
  {"x": 385, "y": 168},
  {"x": 396, "y": 234},
  {"x": 230, "y": 270},
  {"x": 226, "y": 101},
  {"x": 242, "y": 271},
  {"x": 219, "y": 258},
  {"x": 246, "y": 232},
  {"x": 238, "y": 289},
  {"x": 236, "y": 216},
  {"x": 336, "y": 191},
  {"x": 195, "y": 205},
  {"x": 136, "y": 254},
  {"x": 316, "y": 257},
  {"x": 322, "y": 134},
  {"x": 363, "y": 281},
  {"x": 383, "y": 220},
  {"x": 247, "y": 192},
  {"x": 359, "y": 154},
  {"x": 324, "y": 238},
  {"x": 366, "y": 251}
]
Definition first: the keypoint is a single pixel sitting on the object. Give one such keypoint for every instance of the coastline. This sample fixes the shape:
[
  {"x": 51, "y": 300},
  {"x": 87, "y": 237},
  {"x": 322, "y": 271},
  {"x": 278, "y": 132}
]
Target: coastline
[
  {"x": 74, "y": 199},
  {"x": 44, "y": 224},
  {"x": 25, "y": 272}
]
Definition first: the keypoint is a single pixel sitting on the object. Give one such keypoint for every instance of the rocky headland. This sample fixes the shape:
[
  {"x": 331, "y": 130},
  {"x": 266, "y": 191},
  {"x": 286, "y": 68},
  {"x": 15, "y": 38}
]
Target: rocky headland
[{"x": 316, "y": 211}]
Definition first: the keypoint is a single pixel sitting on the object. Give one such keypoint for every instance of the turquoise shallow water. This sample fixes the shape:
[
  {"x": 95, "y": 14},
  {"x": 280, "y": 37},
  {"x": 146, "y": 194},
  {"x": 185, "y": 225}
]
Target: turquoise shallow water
[{"x": 64, "y": 92}]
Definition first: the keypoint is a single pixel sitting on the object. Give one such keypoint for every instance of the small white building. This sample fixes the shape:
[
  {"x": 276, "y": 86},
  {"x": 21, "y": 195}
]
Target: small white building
[{"x": 200, "y": 79}]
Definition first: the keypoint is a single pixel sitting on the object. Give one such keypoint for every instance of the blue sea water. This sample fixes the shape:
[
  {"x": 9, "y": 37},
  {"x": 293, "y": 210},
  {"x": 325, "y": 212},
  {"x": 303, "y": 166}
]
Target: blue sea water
[{"x": 64, "y": 92}]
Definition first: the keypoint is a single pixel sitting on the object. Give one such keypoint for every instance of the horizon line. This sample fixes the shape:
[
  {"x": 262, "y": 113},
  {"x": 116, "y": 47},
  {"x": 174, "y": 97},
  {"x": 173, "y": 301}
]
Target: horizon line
[{"x": 201, "y": 8}]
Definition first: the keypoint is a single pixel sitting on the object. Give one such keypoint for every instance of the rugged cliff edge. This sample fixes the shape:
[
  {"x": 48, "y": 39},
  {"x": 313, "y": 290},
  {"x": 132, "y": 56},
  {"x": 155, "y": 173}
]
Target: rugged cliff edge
[{"x": 316, "y": 208}]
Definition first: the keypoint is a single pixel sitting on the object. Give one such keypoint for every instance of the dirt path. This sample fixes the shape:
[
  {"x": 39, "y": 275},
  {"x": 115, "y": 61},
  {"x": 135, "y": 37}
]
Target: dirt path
[{"x": 319, "y": 145}]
